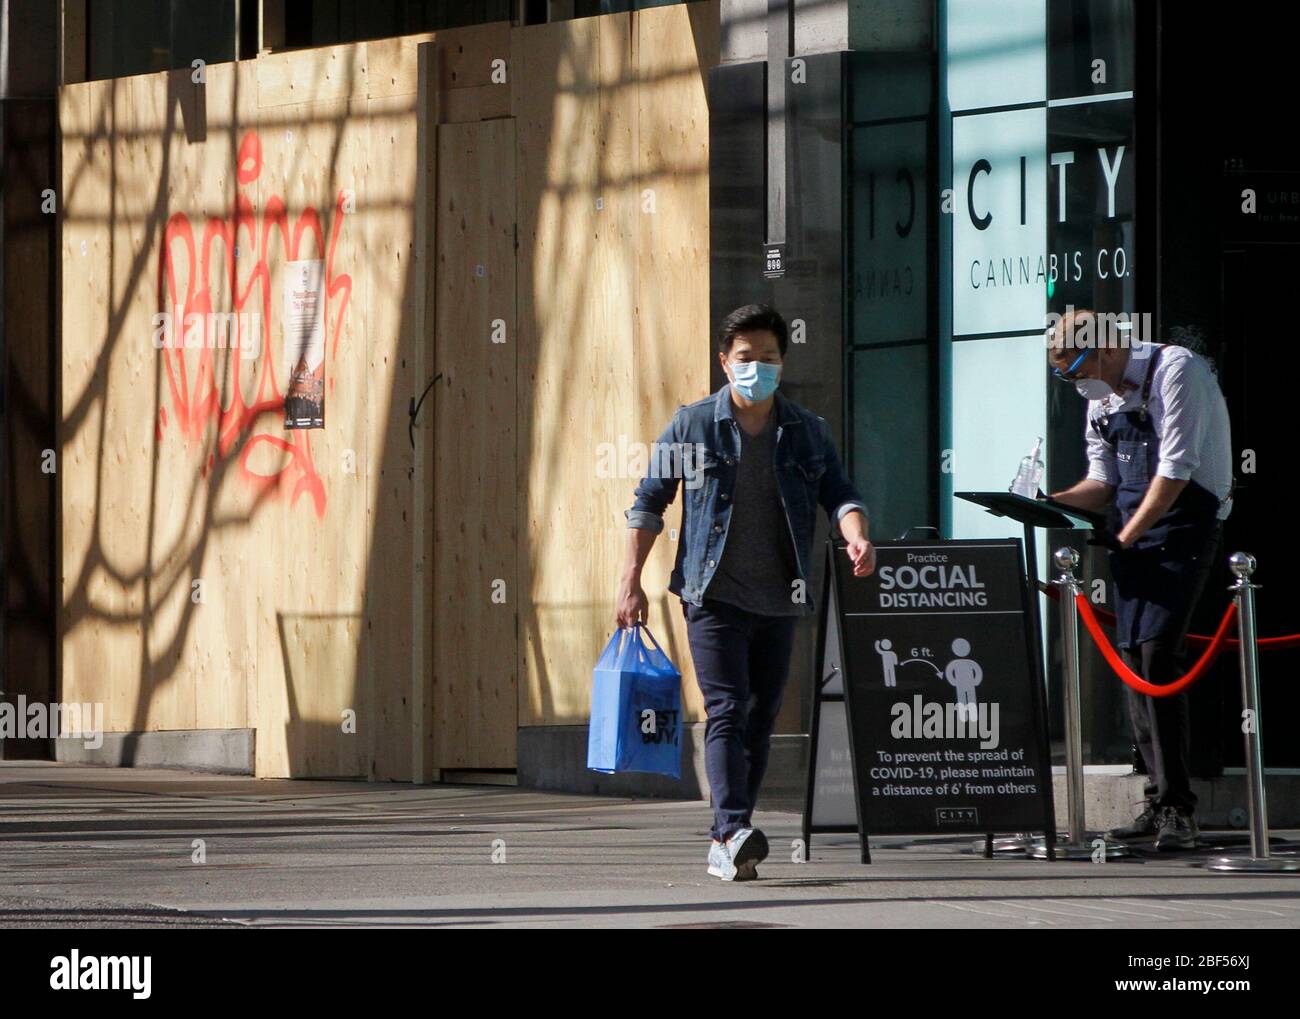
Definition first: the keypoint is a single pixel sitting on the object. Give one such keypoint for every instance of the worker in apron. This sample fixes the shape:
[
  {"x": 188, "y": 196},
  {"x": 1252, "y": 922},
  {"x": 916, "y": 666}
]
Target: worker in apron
[{"x": 1159, "y": 450}]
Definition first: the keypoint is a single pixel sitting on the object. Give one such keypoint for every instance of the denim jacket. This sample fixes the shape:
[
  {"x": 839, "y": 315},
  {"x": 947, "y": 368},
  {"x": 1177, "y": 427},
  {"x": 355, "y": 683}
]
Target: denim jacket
[{"x": 700, "y": 449}]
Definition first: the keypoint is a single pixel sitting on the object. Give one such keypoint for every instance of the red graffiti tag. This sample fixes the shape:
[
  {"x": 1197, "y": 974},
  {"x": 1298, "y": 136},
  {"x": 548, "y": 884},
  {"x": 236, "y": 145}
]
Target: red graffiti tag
[{"x": 191, "y": 374}]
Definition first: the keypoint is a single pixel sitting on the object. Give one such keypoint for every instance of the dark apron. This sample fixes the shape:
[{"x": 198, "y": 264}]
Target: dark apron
[{"x": 1154, "y": 576}]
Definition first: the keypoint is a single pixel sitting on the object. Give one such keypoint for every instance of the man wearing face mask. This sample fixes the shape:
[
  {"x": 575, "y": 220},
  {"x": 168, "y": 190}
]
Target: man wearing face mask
[
  {"x": 1159, "y": 444},
  {"x": 756, "y": 466}
]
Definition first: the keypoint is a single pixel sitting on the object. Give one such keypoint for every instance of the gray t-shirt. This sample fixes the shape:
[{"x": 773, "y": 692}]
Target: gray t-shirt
[{"x": 757, "y": 568}]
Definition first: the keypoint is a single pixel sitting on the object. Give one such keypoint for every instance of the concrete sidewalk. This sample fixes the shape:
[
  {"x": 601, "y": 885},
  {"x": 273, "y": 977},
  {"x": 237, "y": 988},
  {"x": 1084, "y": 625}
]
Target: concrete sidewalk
[{"x": 107, "y": 847}]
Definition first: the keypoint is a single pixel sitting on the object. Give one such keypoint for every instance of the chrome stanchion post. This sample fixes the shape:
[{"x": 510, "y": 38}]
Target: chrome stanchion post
[
  {"x": 1066, "y": 561},
  {"x": 1260, "y": 859},
  {"x": 1076, "y": 846},
  {"x": 1242, "y": 566}
]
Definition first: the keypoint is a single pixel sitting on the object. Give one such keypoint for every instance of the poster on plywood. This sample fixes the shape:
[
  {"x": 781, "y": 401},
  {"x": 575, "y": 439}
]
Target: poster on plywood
[{"x": 304, "y": 343}]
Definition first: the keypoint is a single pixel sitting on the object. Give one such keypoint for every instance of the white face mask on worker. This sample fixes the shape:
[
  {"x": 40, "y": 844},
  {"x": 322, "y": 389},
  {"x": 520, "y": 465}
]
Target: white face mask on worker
[{"x": 1093, "y": 389}]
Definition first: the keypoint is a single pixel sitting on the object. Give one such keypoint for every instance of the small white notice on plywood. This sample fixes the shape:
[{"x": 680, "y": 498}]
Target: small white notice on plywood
[{"x": 304, "y": 344}]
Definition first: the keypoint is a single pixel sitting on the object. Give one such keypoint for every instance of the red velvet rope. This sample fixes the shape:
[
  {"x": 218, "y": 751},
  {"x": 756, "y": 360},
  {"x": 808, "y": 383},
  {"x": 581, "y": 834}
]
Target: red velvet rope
[
  {"x": 1195, "y": 639},
  {"x": 1130, "y": 677}
]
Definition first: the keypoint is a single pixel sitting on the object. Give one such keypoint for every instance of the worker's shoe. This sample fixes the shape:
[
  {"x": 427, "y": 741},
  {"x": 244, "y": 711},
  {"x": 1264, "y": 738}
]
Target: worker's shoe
[
  {"x": 1143, "y": 829},
  {"x": 748, "y": 848},
  {"x": 720, "y": 864},
  {"x": 1177, "y": 831}
]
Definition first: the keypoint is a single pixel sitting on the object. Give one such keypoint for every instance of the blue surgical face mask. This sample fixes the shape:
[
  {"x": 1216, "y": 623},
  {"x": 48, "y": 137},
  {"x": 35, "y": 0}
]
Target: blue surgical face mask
[{"x": 755, "y": 380}]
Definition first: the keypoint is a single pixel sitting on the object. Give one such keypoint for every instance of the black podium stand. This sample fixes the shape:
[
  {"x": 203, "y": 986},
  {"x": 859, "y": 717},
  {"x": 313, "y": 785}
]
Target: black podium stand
[
  {"x": 1034, "y": 513},
  {"x": 1044, "y": 513}
]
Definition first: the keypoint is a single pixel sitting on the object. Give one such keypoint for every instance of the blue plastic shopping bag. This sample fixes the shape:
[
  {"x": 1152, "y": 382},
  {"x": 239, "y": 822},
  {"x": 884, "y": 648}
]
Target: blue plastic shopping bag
[{"x": 636, "y": 707}]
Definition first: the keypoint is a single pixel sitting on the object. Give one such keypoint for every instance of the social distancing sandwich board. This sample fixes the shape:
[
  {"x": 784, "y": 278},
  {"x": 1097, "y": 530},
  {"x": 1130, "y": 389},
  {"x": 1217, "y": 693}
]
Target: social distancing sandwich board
[{"x": 929, "y": 716}]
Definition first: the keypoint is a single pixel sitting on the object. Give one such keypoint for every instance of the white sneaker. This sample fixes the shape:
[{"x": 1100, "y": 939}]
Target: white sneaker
[
  {"x": 720, "y": 864},
  {"x": 747, "y": 848}
]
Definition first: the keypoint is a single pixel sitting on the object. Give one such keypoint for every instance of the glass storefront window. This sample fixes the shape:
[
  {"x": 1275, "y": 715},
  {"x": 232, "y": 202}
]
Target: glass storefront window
[
  {"x": 891, "y": 367},
  {"x": 125, "y": 37}
]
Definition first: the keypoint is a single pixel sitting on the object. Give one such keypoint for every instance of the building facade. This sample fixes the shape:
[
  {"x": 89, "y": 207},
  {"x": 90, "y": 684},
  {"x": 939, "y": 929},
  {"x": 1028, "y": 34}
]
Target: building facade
[{"x": 510, "y": 230}]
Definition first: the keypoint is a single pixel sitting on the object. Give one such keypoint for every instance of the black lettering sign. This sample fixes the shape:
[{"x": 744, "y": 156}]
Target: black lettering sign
[{"x": 942, "y": 690}]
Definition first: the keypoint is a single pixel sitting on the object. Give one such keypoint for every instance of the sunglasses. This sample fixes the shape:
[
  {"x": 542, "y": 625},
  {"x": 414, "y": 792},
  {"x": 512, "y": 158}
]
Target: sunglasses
[{"x": 1068, "y": 374}]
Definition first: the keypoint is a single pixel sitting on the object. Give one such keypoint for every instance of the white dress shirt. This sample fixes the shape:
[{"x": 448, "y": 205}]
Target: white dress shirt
[{"x": 1188, "y": 412}]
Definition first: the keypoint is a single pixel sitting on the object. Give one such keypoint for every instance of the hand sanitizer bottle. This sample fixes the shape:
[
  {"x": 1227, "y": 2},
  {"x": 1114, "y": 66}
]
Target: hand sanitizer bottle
[{"x": 1030, "y": 475}]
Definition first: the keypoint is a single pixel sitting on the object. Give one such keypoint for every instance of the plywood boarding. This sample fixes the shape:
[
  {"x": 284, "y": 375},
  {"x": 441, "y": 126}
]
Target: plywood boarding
[
  {"x": 302, "y": 543},
  {"x": 317, "y": 75},
  {"x": 607, "y": 110},
  {"x": 312, "y": 583},
  {"x": 423, "y": 422},
  {"x": 557, "y": 111},
  {"x": 476, "y": 592},
  {"x": 216, "y": 568},
  {"x": 81, "y": 410},
  {"x": 675, "y": 47},
  {"x": 467, "y": 63},
  {"x": 137, "y": 521},
  {"x": 389, "y": 192}
]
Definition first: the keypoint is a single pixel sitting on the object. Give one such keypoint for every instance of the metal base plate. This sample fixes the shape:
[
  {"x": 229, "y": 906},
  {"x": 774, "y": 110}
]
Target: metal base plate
[
  {"x": 1006, "y": 844},
  {"x": 1249, "y": 864},
  {"x": 1066, "y": 851}
]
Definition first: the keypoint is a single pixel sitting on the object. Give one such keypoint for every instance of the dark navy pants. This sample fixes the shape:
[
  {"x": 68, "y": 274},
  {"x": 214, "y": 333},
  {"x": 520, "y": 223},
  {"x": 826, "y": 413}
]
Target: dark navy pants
[
  {"x": 742, "y": 660},
  {"x": 1161, "y": 725}
]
